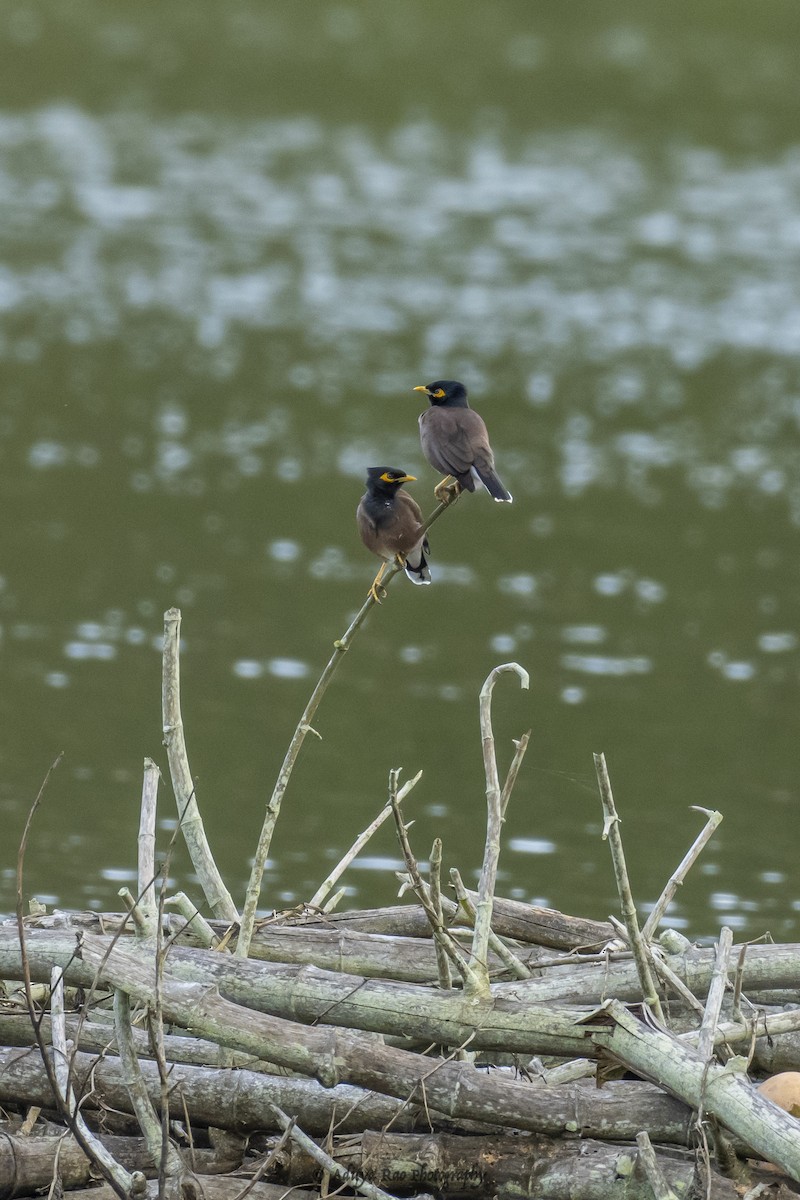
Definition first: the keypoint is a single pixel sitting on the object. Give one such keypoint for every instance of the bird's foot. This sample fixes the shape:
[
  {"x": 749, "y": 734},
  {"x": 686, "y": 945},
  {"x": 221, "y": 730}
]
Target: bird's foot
[
  {"x": 377, "y": 591},
  {"x": 447, "y": 490}
]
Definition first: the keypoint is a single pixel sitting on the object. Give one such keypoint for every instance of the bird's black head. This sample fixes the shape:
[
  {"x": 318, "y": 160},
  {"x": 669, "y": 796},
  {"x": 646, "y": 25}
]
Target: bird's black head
[
  {"x": 387, "y": 479},
  {"x": 445, "y": 393}
]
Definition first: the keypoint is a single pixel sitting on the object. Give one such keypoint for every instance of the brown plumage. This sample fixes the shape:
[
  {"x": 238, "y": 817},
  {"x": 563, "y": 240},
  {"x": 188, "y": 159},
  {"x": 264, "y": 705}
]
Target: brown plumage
[
  {"x": 390, "y": 524},
  {"x": 454, "y": 441}
]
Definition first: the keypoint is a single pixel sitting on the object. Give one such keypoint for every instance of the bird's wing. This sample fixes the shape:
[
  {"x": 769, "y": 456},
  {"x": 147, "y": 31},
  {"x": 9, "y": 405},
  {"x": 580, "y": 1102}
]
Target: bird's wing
[
  {"x": 411, "y": 507},
  {"x": 366, "y": 526},
  {"x": 452, "y": 438}
]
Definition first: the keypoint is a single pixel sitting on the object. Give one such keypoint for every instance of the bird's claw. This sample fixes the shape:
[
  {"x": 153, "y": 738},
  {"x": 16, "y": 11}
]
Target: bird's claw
[
  {"x": 447, "y": 490},
  {"x": 377, "y": 591}
]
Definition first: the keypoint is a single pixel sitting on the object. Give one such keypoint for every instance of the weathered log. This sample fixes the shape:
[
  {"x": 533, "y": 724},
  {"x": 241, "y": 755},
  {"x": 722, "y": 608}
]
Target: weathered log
[
  {"x": 721, "y": 1091},
  {"x": 28, "y": 1164},
  {"x": 240, "y": 1100},
  {"x": 514, "y": 1021},
  {"x": 411, "y": 960},
  {"x": 215, "y": 1187},
  {"x": 524, "y": 1166},
  {"x": 566, "y": 981},
  {"x": 510, "y": 918},
  {"x": 98, "y": 1037},
  {"x": 310, "y": 995},
  {"x": 457, "y": 1089}
]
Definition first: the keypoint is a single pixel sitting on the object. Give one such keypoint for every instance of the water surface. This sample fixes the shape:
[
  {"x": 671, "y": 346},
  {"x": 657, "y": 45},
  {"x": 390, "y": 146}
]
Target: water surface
[{"x": 229, "y": 248}]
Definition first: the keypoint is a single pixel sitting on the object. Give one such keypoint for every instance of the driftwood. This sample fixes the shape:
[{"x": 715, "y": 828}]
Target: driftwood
[{"x": 435, "y": 1046}]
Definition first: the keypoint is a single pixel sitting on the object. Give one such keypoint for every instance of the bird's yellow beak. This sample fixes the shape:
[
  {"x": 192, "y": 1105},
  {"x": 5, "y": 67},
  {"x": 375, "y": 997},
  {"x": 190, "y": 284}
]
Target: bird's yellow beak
[
  {"x": 422, "y": 388},
  {"x": 408, "y": 479}
]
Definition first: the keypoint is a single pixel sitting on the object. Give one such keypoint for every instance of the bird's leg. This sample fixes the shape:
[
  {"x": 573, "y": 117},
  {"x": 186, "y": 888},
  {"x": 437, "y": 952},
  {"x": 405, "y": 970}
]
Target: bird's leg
[
  {"x": 400, "y": 560},
  {"x": 447, "y": 490},
  {"x": 376, "y": 589}
]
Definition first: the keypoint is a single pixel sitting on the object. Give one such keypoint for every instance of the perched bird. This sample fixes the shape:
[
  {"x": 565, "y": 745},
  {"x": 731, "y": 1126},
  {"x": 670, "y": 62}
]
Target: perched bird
[
  {"x": 390, "y": 524},
  {"x": 454, "y": 441}
]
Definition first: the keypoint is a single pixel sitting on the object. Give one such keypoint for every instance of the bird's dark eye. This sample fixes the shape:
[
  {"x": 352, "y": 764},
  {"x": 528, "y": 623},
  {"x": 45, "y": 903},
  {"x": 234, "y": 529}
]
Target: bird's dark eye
[{"x": 438, "y": 394}]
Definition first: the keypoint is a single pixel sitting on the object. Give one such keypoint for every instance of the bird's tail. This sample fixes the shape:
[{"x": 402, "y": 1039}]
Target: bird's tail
[
  {"x": 490, "y": 480},
  {"x": 416, "y": 567}
]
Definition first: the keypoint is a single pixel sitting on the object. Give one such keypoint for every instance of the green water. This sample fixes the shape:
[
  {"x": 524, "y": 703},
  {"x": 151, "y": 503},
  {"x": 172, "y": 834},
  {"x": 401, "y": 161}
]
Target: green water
[{"x": 232, "y": 239}]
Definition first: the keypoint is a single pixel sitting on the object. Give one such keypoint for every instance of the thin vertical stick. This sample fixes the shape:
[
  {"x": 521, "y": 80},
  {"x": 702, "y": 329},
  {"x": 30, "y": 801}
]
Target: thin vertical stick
[
  {"x": 716, "y": 993},
  {"x": 506, "y": 956},
  {"x": 491, "y": 854},
  {"x": 440, "y": 931},
  {"x": 611, "y": 831},
  {"x": 147, "y": 841},
  {"x": 143, "y": 1108},
  {"x": 123, "y": 1181},
  {"x": 442, "y": 964},
  {"x": 340, "y": 648},
  {"x": 646, "y": 1160},
  {"x": 214, "y": 890}
]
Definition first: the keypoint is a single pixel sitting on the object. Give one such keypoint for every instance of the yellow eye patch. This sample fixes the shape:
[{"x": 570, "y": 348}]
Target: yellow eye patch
[
  {"x": 387, "y": 478},
  {"x": 438, "y": 394}
]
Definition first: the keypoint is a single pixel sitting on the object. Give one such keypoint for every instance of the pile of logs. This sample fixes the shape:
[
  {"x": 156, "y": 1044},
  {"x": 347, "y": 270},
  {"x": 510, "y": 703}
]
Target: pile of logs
[
  {"x": 337, "y": 1029},
  {"x": 467, "y": 1047}
]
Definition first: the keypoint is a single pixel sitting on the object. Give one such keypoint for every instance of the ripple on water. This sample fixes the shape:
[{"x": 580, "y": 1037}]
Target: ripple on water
[
  {"x": 777, "y": 643},
  {"x": 97, "y": 651},
  {"x": 280, "y": 668},
  {"x": 589, "y": 635},
  {"x": 606, "y": 664},
  {"x": 524, "y": 845}
]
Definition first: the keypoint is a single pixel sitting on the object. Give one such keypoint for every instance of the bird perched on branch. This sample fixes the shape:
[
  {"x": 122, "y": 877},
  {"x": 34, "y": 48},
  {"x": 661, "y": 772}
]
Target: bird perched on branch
[
  {"x": 390, "y": 524},
  {"x": 454, "y": 441}
]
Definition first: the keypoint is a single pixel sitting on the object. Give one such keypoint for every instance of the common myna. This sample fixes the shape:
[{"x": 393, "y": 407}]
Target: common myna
[
  {"x": 454, "y": 441},
  {"x": 390, "y": 524}
]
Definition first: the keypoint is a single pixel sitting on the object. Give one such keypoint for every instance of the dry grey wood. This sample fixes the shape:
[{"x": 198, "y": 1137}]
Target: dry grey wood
[
  {"x": 477, "y": 983},
  {"x": 445, "y": 1018},
  {"x": 611, "y": 832},
  {"x": 215, "y": 1187},
  {"x": 239, "y": 1100},
  {"x": 457, "y": 1089},
  {"x": 141, "y": 924},
  {"x": 681, "y": 871},
  {"x": 219, "y": 898},
  {"x": 520, "y": 1166},
  {"x": 325, "y": 888},
  {"x": 520, "y": 748},
  {"x": 142, "y": 1105},
  {"x": 716, "y": 992},
  {"x": 99, "y": 1037},
  {"x": 28, "y": 1165},
  {"x": 357, "y": 1182},
  {"x": 123, "y": 1179},
  {"x": 236, "y": 1099},
  {"x": 435, "y": 876},
  {"x": 444, "y": 939},
  {"x": 668, "y": 976},
  {"x": 540, "y": 927},
  {"x": 304, "y": 726},
  {"x": 723, "y": 1092},
  {"x": 147, "y": 841},
  {"x": 647, "y": 1163},
  {"x": 407, "y": 960},
  {"x": 507, "y": 957},
  {"x": 201, "y": 931},
  {"x": 521, "y": 1018},
  {"x": 536, "y": 927}
]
